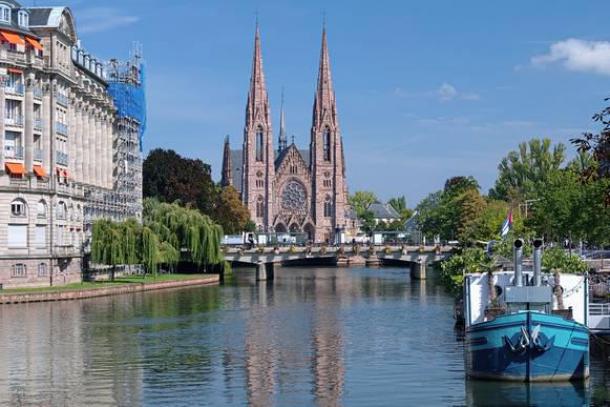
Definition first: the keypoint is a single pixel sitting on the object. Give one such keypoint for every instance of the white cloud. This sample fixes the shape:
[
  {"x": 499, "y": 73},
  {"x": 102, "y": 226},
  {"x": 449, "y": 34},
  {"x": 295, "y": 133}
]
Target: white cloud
[
  {"x": 578, "y": 55},
  {"x": 447, "y": 92},
  {"x": 98, "y": 19}
]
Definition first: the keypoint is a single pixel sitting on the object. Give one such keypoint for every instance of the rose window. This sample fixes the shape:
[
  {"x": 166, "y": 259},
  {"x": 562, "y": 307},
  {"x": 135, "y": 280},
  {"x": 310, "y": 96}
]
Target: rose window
[{"x": 294, "y": 197}]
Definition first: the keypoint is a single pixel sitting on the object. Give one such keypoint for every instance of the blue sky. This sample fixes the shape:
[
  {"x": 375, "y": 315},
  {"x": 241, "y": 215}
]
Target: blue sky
[{"x": 426, "y": 89}]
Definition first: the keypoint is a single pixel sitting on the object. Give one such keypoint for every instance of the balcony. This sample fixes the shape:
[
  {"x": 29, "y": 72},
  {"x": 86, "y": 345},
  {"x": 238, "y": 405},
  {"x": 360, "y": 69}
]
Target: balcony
[
  {"x": 37, "y": 124},
  {"x": 37, "y": 92},
  {"x": 38, "y": 154},
  {"x": 15, "y": 153},
  {"x": 16, "y": 121},
  {"x": 61, "y": 128},
  {"x": 14, "y": 89},
  {"x": 12, "y": 56},
  {"x": 61, "y": 158},
  {"x": 61, "y": 99}
]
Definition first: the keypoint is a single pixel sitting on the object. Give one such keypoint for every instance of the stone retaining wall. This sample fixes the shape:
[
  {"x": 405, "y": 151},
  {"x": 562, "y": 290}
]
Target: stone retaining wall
[{"x": 101, "y": 292}]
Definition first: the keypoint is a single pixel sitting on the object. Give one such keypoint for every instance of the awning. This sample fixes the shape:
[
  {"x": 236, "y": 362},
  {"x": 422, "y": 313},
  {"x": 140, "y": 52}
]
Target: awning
[
  {"x": 14, "y": 70},
  {"x": 34, "y": 43},
  {"x": 39, "y": 171},
  {"x": 15, "y": 168},
  {"x": 12, "y": 38}
]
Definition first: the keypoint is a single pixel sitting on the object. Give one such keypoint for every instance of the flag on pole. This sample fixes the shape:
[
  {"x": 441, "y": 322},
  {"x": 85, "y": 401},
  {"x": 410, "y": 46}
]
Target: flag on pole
[{"x": 508, "y": 224}]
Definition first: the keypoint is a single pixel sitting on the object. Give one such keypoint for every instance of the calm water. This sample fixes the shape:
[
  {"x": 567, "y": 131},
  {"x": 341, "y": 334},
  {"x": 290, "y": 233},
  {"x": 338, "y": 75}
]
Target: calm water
[{"x": 315, "y": 336}]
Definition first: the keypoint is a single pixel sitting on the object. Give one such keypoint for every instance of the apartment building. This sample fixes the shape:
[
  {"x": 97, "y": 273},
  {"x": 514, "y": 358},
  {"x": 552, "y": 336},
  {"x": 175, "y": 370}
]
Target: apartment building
[{"x": 62, "y": 148}]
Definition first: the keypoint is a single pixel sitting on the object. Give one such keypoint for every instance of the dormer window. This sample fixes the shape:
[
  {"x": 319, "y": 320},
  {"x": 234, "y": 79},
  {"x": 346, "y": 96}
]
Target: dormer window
[
  {"x": 5, "y": 13},
  {"x": 23, "y": 19}
]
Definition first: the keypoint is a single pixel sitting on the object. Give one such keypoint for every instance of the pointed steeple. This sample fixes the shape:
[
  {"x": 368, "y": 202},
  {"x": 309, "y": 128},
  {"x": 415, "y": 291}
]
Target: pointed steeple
[
  {"x": 258, "y": 101},
  {"x": 324, "y": 102},
  {"x": 227, "y": 165},
  {"x": 283, "y": 139}
]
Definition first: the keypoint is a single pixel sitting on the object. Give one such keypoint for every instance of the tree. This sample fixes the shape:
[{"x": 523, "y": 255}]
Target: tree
[
  {"x": 169, "y": 177},
  {"x": 230, "y": 212},
  {"x": 400, "y": 205},
  {"x": 361, "y": 201},
  {"x": 524, "y": 172}
]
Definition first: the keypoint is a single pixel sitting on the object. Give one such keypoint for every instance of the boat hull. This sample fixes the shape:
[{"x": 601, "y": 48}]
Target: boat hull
[{"x": 527, "y": 347}]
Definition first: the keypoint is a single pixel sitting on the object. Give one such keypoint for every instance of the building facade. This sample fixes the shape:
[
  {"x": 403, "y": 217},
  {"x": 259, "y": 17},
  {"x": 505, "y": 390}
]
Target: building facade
[
  {"x": 58, "y": 144},
  {"x": 291, "y": 189}
]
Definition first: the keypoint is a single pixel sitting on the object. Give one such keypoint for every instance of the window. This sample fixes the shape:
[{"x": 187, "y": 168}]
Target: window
[
  {"x": 12, "y": 145},
  {"x": 259, "y": 144},
  {"x": 260, "y": 183},
  {"x": 22, "y": 18},
  {"x": 61, "y": 211},
  {"x": 328, "y": 207},
  {"x": 5, "y": 13},
  {"x": 327, "y": 183},
  {"x": 42, "y": 270},
  {"x": 260, "y": 207},
  {"x": 17, "y": 236},
  {"x": 40, "y": 236},
  {"x": 294, "y": 169},
  {"x": 18, "y": 208},
  {"x": 19, "y": 271},
  {"x": 41, "y": 209},
  {"x": 326, "y": 143}
]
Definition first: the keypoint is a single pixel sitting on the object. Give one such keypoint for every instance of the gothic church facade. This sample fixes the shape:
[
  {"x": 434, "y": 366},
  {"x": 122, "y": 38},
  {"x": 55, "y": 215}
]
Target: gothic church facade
[{"x": 290, "y": 189}]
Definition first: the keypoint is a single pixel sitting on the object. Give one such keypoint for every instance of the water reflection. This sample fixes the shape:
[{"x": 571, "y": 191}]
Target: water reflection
[
  {"x": 493, "y": 393},
  {"x": 323, "y": 336}
]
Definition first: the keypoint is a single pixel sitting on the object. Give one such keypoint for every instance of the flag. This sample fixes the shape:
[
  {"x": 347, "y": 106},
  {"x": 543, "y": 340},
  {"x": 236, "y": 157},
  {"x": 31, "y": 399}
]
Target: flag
[{"x": 508, "y": 223}]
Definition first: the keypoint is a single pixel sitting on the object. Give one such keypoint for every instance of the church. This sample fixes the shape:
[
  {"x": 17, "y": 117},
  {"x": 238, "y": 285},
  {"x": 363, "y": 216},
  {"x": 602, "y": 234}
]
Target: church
[{"x": 290, "y": 189}]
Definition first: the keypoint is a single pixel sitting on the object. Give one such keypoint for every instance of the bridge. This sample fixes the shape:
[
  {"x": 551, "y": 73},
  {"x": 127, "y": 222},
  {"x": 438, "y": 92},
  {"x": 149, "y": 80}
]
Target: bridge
[{"x": 265, "y": 258}]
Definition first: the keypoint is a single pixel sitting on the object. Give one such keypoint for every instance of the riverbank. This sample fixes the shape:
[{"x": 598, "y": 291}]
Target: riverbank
[{"x": 123, "y": 285}]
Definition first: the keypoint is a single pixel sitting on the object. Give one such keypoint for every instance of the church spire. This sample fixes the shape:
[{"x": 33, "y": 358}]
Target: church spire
[
  {"x": 258, "y": 102},
  {"x": 227, "y": 165},
  {"x": 283, "y": 139},
  {"x": 324, "y": 103}
]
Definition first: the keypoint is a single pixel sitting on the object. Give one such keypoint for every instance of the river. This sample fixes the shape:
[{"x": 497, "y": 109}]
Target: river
[{"x": 314, "y": 336}]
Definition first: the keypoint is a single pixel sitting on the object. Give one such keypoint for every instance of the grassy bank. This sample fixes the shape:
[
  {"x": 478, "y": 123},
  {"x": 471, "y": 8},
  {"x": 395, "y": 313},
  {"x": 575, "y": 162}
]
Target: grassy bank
[{"x": 94, "y": 285}]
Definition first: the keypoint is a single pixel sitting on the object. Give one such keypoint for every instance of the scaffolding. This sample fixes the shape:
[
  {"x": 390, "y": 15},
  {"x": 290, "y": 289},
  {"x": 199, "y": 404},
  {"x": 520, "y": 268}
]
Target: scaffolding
[{"x": 126, "y": 86}]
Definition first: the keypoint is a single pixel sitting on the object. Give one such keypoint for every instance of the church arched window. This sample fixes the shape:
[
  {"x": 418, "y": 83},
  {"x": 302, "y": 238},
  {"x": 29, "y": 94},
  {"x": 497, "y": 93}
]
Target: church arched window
[
  {"x": 260, "y": 207},
  {"x": 259, "y": 144},
  {"x": 328, "y": 207},
  {"x": 326, "y": 143}
]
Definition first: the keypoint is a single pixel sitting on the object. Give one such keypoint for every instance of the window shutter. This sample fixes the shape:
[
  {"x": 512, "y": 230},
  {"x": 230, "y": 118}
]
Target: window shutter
[
  {"x": 17, "y": 236},
  {"x": 41, "y": 236}
]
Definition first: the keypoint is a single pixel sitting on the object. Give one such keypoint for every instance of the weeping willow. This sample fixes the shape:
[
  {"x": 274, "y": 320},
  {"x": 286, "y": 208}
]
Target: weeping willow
[{"x": 169, "y": 233}]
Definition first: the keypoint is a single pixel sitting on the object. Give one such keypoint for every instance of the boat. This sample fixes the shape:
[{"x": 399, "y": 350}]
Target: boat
[{"x": 525, "y": 325}]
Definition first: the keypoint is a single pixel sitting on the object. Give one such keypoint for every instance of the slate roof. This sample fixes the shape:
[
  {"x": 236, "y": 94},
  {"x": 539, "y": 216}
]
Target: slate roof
[
  {"x": 45, "y": 16},
  {"x": 383, "y": 211},
  {"x": 304, "y": 156},
  {"x": 13, "y": 24}
]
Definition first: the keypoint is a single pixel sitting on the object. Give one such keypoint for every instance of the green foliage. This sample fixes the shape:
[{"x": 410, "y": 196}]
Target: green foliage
[
  {"x": 470, "y": 260},
  {"x": 557, "y": 258},
  {"x": 230, "y": 212},
  {"x": 167, "y": 230},
  {"x": 523, "y": 173},
  {"x": 361, "y": 201},
  {"x": 400, "y": 205}
]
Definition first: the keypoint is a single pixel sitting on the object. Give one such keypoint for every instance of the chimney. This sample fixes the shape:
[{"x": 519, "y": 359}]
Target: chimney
[
  {"x": 518, "y": 258},
  {"x": 538, "y": 262}
]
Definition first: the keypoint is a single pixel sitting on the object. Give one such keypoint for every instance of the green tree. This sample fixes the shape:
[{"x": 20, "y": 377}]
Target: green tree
[
  {"x": 400, "y": 205},
  {"x": 361, "y": 201},
  {"x": 524, "y": 172},
  {"x": 169, "y": 177},
  {"x": 230, "y": 212}
]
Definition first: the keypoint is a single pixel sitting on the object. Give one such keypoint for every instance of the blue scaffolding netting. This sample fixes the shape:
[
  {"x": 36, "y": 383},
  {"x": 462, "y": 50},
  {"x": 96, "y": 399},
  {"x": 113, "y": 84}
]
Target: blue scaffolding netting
[{"x": 130, "y": 100}]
